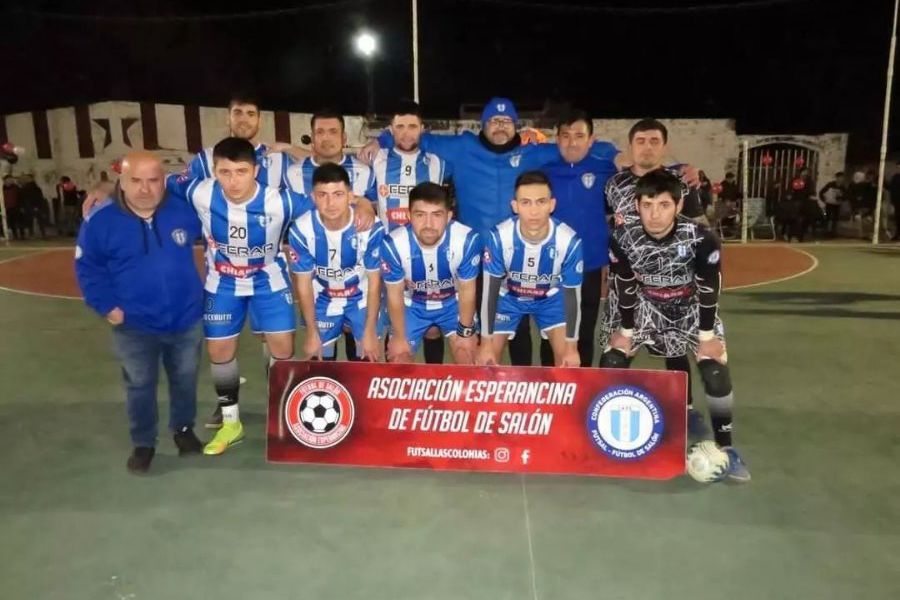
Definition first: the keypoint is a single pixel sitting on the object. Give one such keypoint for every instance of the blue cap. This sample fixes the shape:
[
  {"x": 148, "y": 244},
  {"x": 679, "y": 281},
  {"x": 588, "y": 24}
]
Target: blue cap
[{"x": 499, "y": 107}]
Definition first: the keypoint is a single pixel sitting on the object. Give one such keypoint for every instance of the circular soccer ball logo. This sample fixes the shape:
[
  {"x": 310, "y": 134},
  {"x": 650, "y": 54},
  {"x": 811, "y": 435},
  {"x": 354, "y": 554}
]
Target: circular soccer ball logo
[
  {"x": 319, "y": 412},
  {"x": 625, "y": 422}
]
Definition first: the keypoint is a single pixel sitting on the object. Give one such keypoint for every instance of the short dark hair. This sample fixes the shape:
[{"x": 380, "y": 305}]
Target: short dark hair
[
  {"x": 839, "y": 174},
  {"x": 235, "y": 149},
  {"x": 656, "y": 182},
  {"x": 326, "y": 113},
  {"x": 532, "y": 178},
  {"x": 243, "y": 98},
  {"x": 330, "y": 173},
  {"x": 574, "y": 116},
  {"x": 407, "y": 107},
  {"x": 648, "y": 125},
  {"x": 430, "y": 192}
]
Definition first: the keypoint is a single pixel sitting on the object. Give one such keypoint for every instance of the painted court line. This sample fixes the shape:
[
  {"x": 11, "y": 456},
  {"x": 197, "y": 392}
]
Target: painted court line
[
  {"x": 811, "y": 268},
  {"x": 530, "y": 544}
]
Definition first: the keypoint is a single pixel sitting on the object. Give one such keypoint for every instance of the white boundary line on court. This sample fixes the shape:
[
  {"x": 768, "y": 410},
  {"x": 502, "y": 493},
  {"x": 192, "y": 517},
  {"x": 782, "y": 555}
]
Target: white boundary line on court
[
  {"x": 815, "y": 264},
  {"x": 530, "y": 544},
  {"x": 811, "y": 268}
]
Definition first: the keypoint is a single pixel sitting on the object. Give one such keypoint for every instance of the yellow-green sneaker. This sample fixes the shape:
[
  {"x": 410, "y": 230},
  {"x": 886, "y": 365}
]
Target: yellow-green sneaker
[{"x": 229, "y": 435}]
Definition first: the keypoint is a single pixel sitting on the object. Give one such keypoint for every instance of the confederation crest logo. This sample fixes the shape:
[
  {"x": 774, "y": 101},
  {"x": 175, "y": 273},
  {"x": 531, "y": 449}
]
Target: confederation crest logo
[
  {"x": 515, "y": 160},
  {"x": 501, "y": 107},
  {"x": 625, "y": 422},
  {"x": 588, "y": 180},
  {"x": 319, "y": 412},
  {"x": 180, "y": 236}
]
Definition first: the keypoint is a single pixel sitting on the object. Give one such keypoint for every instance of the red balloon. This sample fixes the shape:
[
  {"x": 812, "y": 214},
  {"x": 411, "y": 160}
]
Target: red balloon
[
  {"x": 799, "y": 161},
  {"x": 767, "y": 160},
  {"x": 799, "y": 184}
]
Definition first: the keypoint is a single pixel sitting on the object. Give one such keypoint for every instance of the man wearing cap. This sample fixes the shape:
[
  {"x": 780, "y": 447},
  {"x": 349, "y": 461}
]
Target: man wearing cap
[{"x": 485, "y": 168}]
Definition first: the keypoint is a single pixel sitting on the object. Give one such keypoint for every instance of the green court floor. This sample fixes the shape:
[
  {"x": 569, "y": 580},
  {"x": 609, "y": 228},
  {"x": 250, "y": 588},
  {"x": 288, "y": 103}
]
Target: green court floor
[{"x": 815, "y": 363}]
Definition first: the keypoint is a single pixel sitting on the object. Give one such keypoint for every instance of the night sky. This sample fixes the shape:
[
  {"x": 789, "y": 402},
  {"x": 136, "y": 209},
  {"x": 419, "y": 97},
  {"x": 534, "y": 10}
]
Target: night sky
[{"x": 793, "y": 66}]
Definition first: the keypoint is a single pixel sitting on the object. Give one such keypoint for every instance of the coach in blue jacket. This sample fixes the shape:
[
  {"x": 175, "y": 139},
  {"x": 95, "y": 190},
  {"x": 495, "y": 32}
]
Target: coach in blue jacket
[
  {"x": 578, "y": 180},
  {"x": 485, "y": 168},
  {"x": 135, "y": 267}
]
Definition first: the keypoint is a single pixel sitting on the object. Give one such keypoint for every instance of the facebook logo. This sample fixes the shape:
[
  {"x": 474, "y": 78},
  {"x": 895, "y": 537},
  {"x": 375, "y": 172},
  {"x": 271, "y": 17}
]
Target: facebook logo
[{"x": 526, "y": 454}]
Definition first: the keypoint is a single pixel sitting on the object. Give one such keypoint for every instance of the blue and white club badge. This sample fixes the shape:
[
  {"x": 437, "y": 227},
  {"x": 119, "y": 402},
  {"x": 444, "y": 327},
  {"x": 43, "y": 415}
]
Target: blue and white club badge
[{"x": 625, "y": 422}]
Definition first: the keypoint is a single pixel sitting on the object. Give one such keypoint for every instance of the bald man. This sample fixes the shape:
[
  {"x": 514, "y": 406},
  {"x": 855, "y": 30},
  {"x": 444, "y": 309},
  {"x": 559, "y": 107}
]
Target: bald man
[{"x": 134, "y": 263}]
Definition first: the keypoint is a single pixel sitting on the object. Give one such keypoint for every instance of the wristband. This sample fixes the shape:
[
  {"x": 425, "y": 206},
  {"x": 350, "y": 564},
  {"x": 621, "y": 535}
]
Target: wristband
[
  {"x": 705, "y": 336},
  {"x": 465, "y": 331},
  {"x": 629, "y": 333}
]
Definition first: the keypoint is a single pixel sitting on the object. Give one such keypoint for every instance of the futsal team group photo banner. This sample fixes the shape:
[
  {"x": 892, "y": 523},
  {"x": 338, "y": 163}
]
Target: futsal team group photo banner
[{"x": 610, "y": 422}]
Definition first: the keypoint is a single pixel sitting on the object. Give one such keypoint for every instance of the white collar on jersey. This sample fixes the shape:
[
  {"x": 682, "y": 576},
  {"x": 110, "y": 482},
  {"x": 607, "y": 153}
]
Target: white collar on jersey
[{"x": 535, "y": 244}]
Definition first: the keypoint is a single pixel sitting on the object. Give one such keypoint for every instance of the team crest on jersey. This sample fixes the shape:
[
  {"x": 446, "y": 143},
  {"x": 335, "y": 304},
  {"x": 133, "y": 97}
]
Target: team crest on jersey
[
  {"x": 354, "y": 243},
  {"x": 551, "y": 252},
  {"x": 319, "y": 412},
  {"x": 515, "y": 160},
  {"x": 180, "y": 236},
  {"x": 264, "y": 220},
  {"x": 588, "y": 180},
  {"x": 713, "y": 257},
  {"x": 682, "y": 251}
]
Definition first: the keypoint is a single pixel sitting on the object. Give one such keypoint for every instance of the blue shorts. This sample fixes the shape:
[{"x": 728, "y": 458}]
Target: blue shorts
[
  {"x": 548, "y": 313},
  {"x": 224, "y": 314},
  {"x": 331, "y": 327},
  {"x": 418, "y": 320}
]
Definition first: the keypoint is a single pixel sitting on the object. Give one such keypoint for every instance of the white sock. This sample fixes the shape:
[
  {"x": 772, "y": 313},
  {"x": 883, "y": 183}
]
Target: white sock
[{"x": 230, "y": 414}]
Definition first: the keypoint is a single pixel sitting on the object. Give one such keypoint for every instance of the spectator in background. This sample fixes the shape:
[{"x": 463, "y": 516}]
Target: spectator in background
[
  {"x": 13, "y": 203},
  {"x": 67, "y": 194},
  {"x": 894, "y": 190},
  {"x": 34, "y": 205},
  {"x": 832, "y": 195},
  {"x": 809, "y": 212},
  {"x": 706, "y": 195},
  {"x": 730, "y": 190}
]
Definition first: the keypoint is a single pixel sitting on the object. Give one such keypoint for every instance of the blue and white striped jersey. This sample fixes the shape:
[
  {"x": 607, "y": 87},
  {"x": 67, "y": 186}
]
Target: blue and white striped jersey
[
  {"x": 533, "y": 270},
  {"x": 396, "y": 173},
  {"x": 338, "y": 260},
  {"x": 243, "y": 241},
  {"x": 271, "y": 168},
  {"x": 430, "y": 274},
  {"x": 298, "y": 176}
]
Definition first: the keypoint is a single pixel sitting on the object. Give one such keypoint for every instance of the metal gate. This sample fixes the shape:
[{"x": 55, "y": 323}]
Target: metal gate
[{"x": 772, "y": 167}]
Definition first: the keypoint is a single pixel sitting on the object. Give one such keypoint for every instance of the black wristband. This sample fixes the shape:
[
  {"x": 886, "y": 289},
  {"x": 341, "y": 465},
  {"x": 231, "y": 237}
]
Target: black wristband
[{"x": 464, "y": 331}]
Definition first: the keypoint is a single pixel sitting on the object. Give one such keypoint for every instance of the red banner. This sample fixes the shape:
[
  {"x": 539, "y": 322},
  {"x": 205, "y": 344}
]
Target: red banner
[{"x": 610, "y": 422}]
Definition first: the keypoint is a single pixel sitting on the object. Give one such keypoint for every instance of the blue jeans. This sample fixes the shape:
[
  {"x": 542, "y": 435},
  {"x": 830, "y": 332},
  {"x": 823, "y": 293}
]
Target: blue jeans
[{"x": 139, "y": 354}]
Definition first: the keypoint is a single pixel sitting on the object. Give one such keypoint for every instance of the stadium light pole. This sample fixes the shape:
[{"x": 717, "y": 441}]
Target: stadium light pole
[
  {"x": 366, "y": 46},
  {"x": 415, "y": 45},
  {"x": 884, "y": 130}
]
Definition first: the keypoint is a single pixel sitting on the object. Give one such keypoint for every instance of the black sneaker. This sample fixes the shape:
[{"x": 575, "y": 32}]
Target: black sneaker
[
  {"x": 140, "y": 459},
  {"x": 215, "y": 420},
  {"x": 187, "y": 442}
]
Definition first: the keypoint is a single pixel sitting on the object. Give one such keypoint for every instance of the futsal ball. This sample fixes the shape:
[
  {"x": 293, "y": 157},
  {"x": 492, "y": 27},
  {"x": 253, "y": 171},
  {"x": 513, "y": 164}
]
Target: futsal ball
[
  {"x": 320, "y": 412},
  {"x": 706, "y": 462}
]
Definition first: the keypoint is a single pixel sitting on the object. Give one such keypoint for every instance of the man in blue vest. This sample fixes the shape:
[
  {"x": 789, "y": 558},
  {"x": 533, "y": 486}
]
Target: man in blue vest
[{"x": 134, "y": 263}]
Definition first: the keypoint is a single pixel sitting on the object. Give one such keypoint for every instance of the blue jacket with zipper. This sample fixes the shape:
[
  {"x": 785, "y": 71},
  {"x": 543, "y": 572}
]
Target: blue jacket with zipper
[{"x": 145, "y": 267}]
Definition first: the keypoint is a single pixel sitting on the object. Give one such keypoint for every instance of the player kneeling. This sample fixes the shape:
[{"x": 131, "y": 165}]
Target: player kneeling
[
  {"x": 666, "y": 272},
  {"x": 430, "y": 267},
  {"x": 337, "y": 269},
  {"x": 532, "y": 266}
]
